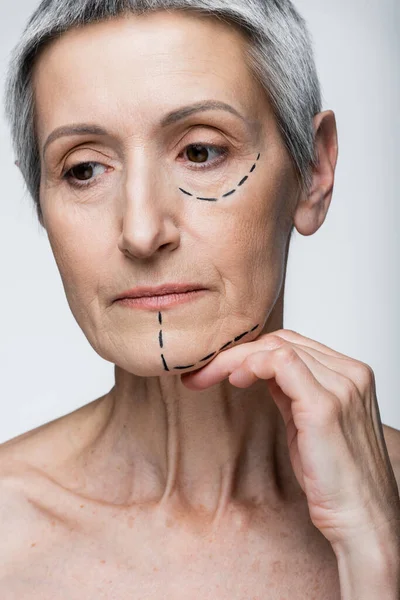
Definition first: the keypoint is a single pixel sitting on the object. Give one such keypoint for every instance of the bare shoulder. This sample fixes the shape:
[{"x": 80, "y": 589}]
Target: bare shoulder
[
  {"x": 44, "y": 448},
  {"x": 29, "y": 534},
  {"x": 17, "y": 515},
  {"x": 31, "y": 502},
  {"x": 29, "y": 530}
]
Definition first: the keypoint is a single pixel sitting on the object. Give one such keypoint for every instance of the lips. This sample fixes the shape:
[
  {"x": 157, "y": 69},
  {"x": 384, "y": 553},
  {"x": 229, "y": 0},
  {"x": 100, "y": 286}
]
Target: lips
[{"x": 161, "y": 290}]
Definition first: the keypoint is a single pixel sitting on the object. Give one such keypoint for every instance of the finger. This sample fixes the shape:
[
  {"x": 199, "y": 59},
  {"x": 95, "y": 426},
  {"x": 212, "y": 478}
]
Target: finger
[
  {"x": 337, "y": 382},
  {"x": 358, "y": 372},
  {"x": 293, "y": 376},
  {"x": 297, "y": 338},
  {"x": 223, "y": 364},
  {"x": 244, "y": 375},
  {"x": 352, "y": 398}
]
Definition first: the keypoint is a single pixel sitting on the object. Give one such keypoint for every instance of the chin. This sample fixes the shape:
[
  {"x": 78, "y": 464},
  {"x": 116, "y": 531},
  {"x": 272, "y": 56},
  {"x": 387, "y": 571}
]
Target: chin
[
  {"x": 157, "y": 367},
  {"x": 147, "y": 365}
]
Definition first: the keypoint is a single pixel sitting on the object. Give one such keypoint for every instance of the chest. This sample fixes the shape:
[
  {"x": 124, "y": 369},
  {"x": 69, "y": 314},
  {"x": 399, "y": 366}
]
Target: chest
[{"x": 69, "y": 571}]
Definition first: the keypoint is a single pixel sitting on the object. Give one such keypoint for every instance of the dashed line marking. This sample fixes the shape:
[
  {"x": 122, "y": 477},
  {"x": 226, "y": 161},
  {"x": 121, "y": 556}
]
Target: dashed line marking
[
  {"x": 241, "y": 182},
  {"x": 178, "y": 367}
]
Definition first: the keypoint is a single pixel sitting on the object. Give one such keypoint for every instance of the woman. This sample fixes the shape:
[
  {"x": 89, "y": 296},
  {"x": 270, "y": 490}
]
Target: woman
[{"x": 170, "y": 154}]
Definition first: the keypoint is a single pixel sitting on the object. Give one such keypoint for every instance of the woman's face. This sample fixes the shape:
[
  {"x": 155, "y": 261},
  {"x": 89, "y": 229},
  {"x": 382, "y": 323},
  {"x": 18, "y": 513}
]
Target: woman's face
[{"x": 142, "y": 219}]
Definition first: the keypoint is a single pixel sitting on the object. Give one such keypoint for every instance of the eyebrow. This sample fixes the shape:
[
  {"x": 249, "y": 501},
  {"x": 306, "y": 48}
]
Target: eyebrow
[{"x": 169, "y": 119}]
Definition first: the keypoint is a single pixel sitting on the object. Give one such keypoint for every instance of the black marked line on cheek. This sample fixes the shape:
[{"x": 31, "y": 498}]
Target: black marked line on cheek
[
  {"x": 207, "y": 357},
  {"x": 185, "y": 192},
  {"x": 178, "y": 367},
  {"x": 254, "y": 166},
  {"x": 225, "y": 345},
  {"x": 165, "y": 364},
  {"x": 236, "y": 339},
  {"x": 241, "y": 182},
  {"x": 160, "y": 341},
  {"x": 239, "y": 337}
]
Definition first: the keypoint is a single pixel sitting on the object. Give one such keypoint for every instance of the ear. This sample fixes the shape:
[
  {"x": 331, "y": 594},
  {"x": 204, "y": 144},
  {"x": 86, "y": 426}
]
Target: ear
[
  {"x": 17, "y": 163},
  {"x": 312, "y": 208}
]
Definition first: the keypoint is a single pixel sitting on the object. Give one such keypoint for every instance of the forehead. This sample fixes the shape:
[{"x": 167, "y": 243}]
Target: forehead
[{"x": 135, "y": 65}]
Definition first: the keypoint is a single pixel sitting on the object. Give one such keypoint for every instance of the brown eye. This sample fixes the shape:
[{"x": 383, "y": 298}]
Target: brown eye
[
  {"x": 205, "y": 156},
  {"x": 197, "y": 153},
  {"x": 82, "y": 172}
]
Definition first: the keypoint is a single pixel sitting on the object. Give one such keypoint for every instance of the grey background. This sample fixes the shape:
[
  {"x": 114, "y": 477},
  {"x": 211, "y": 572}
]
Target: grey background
[{"x": 343, "y": 282}]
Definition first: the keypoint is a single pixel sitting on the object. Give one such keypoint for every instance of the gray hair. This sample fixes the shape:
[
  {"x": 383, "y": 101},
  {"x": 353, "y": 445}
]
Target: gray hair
[{"x": 279, "y": 50}]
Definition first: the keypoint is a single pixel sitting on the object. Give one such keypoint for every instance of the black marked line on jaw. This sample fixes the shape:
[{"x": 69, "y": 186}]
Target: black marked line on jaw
[
  {"x": 241, "y": 182},
  {"x": 160, "y": 341},
  {"x": 179, "y": 367},
  {"x": 237, "y": 338}
]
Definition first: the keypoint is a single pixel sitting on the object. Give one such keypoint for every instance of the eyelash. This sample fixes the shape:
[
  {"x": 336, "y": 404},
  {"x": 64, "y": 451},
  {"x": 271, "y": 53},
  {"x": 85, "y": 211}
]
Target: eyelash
[{"x": 224, "y": 151}]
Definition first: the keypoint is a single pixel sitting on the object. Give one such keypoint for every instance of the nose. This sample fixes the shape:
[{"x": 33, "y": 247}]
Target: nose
[{"x": 148, "y": 218}]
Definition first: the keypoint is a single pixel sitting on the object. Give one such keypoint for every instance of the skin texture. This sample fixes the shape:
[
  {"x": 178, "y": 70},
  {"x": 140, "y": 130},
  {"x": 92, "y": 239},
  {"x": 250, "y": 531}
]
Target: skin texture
[{"x": 183, "y": 464}]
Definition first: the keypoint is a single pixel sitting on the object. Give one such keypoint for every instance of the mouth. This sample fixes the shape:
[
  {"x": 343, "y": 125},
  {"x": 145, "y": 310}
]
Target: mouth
[
  {"x": 160, "y": 290},
  {"x": 161, "y": 301}
]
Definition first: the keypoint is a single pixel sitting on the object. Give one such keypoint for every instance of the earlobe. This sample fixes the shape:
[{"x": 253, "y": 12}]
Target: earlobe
[{"x": 312, "y": 209}]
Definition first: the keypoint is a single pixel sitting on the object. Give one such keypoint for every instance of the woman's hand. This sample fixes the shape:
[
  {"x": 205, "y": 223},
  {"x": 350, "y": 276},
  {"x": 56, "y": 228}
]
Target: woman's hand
[{"x": 334, "y": 432}]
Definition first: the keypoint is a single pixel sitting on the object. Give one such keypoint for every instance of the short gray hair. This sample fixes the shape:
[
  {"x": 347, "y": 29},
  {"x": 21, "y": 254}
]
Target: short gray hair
[{"x": 279, "y": 50}]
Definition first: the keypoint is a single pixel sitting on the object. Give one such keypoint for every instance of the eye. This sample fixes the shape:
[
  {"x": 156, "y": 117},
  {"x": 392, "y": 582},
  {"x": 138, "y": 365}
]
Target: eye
[
  {"x": 198, "y": 153},
  {"x": 82, "y": 175},
  {"x": 82, "y": 172}
]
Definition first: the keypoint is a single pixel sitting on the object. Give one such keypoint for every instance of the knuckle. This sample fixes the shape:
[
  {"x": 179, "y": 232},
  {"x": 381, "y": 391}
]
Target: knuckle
[
  {"x": 273, "y": 341},
  {"x": 286, "y": 353},
  {"x": 347, "y": 392},
  {"x": 329, "y": 412},
  {"x": 250, "y": 361},
  {"x": 291, "y": 331},
  {"x": 365, "y": 374}
]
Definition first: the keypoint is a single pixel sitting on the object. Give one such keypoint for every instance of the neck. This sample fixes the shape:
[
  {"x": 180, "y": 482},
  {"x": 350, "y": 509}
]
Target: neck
[{"x": 201, "y": 452}]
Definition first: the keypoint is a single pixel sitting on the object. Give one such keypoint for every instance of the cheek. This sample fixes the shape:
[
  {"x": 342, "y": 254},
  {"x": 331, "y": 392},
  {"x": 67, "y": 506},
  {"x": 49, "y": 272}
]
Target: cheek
[
  {"x": 80, "y": 251},
  {"x": 249, "y": 233},
  {"x": 254, "y": 239},
  {"x": 241, "y": 244}
]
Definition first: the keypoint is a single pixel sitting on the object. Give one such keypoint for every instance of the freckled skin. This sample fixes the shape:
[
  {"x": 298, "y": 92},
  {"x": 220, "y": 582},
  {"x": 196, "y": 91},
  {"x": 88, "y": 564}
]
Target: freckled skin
[{"x": 153, "y": 478}]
